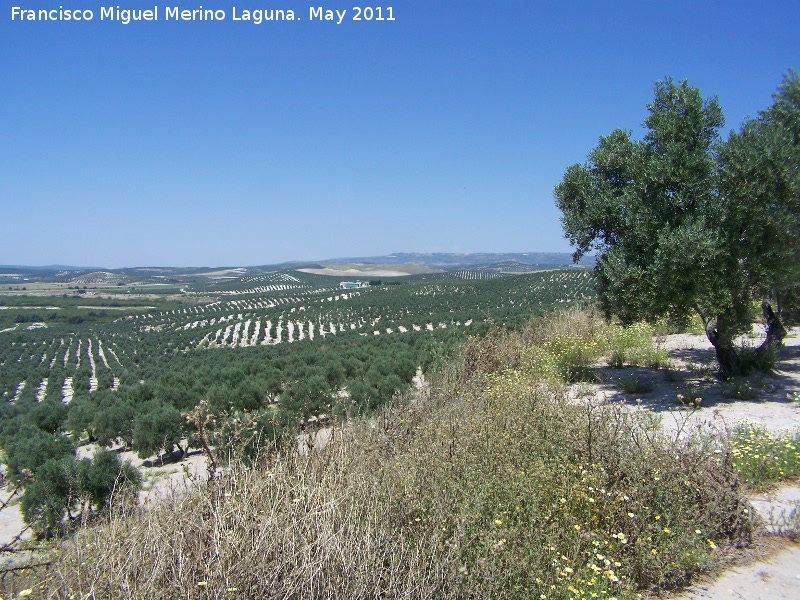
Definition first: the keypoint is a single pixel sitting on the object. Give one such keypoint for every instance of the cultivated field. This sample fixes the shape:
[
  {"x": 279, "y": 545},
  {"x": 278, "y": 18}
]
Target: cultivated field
[{"x": 42, "y": 359}]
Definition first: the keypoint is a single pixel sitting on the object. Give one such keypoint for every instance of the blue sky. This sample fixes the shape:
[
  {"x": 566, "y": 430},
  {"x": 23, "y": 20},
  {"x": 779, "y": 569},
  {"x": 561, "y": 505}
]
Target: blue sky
[{"x": 230, "y": 143}]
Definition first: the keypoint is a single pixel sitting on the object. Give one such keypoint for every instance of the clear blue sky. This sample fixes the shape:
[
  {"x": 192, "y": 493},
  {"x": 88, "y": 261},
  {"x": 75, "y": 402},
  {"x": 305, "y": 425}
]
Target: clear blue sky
[{"x": 230, "y": 143}]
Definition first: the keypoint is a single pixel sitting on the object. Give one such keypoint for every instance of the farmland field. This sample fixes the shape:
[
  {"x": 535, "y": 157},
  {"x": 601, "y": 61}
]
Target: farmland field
[{"x": 286, "y": 344}]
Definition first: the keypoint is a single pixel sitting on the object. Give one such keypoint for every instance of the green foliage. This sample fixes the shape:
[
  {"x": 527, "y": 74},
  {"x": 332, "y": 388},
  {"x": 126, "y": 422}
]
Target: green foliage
[
  {"x": 80, "y": 416},
  {"x": 635, "y": 385},
  {"x": 495, "y": 485},
  {"x": 366, "y": 348},
  {"x": 633, "y": 345},
  {"x": 760, "y": 182},
  {"x": 60, "y": 486},
  {"x": 574, "y": 345},
  {"x": 561, "y": 347},
  {"x": 27, "y": 448},
  {"x": 684, "y": 222},
  {"x": 158, "y": 428},
  {"x": 641, "y": 206},
  {"x": 528, "y": 491},
  {"x": 741, "y": 388},
  {"x": 756, "y": 359},
  {"x": 103, "y": 476},
  {"x": 691, "y": 394},
  {"x": 113, "y": 417},
  {"x": 49, "y": 415},
  {"x": 71, "y": 309},
  {"x": 48, "y": 497}
]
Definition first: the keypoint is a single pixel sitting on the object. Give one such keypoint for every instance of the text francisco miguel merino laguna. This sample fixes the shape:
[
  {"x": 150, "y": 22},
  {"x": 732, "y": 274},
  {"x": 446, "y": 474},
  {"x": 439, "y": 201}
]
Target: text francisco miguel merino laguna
[{"x": 176, "y": 13}]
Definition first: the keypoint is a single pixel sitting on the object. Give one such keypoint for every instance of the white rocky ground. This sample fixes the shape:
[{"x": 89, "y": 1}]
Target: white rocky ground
[
  {"x": 102, "y": 354},
  {"x": 42, "y": 391},
  {"x": 773, "y": 576},
  {"x": 770, "y": 405},
  {"x": 776, "y": 574},
  {"x": 93, "y": 377},
  {"x": 20, "y": 387},
  {"x": 772, "y": 570},
  {"x": 67, "y": 391}
]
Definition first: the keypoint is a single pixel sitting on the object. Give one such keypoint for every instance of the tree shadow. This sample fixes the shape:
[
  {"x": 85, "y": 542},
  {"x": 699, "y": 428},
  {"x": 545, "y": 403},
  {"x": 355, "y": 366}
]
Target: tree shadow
[
  {"x": 696, "y": 356},
  {"x": 680, "y": 389}
]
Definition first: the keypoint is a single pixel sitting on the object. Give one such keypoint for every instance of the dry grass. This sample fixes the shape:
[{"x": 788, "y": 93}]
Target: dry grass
[{"x": 491, "y": 486}]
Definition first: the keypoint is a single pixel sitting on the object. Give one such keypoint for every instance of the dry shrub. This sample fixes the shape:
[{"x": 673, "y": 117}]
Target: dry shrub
[
  {"x": 294, "y": 526},
  {"x": 492, "y": 486},
  {"x": 572, "y": 337},
  {"x": 583, "y": 323}
]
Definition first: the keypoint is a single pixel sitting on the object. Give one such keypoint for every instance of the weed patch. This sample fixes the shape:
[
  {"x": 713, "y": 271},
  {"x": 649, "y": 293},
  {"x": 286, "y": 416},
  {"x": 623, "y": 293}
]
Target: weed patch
[
  {"x": 635, "y": 385},
  {"x": 762, "y": 458},
  {"x": 741, "y": 389},
  {"x": 634, "y": 346},
  {"x": 691, "y": 394}
]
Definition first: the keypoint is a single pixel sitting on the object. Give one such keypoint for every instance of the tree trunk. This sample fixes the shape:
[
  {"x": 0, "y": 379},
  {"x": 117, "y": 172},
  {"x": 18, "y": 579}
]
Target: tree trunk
[
  {"x": 775, "y": 331},
  {"x": 730, "y": 362}
]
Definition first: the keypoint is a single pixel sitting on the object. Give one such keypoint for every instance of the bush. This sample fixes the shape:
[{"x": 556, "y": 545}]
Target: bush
[
  {"x": 48, "y": 497},
  {"x": 633, "y": 345},
  {"x": 741, "y": 389},
  {"x": 755, "y": 360},
  {"x": 635, "y": 385},
  {"x": 565, "y": 346}
]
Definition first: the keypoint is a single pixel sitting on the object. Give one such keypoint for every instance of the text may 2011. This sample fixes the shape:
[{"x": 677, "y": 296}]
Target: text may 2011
[{"x": 176, "y": 13}]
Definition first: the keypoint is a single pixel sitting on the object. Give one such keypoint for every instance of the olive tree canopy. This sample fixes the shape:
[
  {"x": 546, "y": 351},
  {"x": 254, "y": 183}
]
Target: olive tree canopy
[{"x": 683, "y": 221}]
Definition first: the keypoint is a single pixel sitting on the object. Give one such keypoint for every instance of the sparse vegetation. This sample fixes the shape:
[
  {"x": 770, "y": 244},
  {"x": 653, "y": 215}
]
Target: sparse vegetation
[
  {"x": 287, "y": 346},
  {"x": 633, "y": 384},
  {"x": 494, "y": 484},
  {"x": 763, "y": 458},
  {"x": 742, "y": 388},
  {"x": 691, "y": 394}
]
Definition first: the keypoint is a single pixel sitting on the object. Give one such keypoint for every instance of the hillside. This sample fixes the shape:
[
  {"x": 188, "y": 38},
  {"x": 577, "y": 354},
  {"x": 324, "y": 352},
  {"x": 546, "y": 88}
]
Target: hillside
[
  {"x": 495, "y": 480},
  {"x": 123, "y": 370},
  {"x": 81, "y": 344}
]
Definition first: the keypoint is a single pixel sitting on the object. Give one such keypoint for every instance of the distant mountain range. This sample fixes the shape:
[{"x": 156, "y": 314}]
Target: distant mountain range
[
  {"x": 450, "y": 261},
  {"x": 442, "y": 261}
]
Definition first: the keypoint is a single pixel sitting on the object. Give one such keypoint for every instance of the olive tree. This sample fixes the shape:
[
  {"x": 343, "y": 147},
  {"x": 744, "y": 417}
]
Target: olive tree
[
  {"x": 61, "y": 486},
  {"x": 683, "y": 221},
  {"x": 51, "y": 494},
  {"x": 159, "y": 428}
]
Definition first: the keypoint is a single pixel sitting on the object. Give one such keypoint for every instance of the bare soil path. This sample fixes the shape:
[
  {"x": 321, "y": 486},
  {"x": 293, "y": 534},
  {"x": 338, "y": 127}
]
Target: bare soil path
[
  {"x": 774, "y": 578},
  {"x": 770, "y": 401}
]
